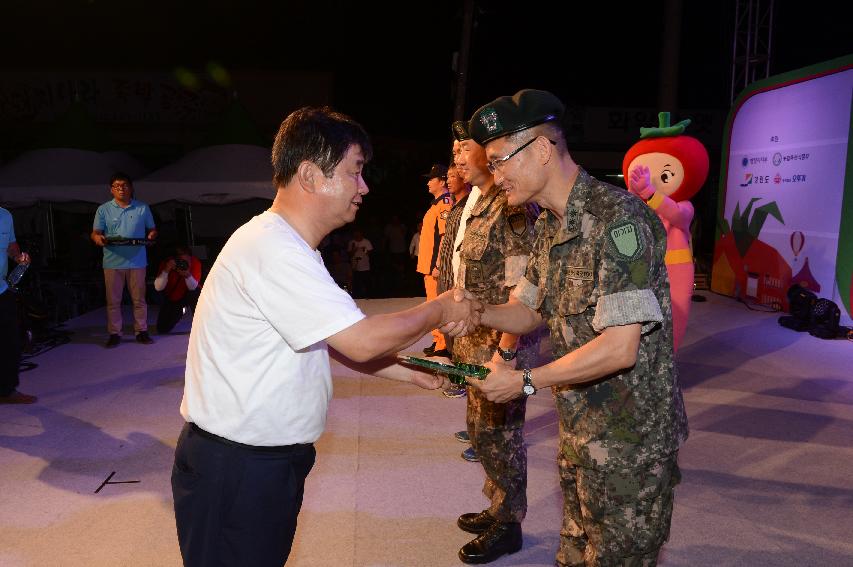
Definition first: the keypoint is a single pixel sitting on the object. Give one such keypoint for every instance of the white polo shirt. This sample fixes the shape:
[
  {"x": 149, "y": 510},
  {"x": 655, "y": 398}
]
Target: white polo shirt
[{"x": 257, "y": 365}]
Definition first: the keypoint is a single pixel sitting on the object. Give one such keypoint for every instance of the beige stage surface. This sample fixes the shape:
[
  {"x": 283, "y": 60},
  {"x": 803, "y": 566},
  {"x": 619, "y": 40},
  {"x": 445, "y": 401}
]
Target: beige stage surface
[{"x": 768, "y": 468}]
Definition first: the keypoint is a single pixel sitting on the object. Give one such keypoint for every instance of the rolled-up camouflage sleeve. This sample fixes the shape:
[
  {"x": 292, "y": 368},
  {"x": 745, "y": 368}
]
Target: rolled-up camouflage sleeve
[
  {"x": 624, "y": 296},
  {"x": 530, "y": 289},
  {"x": 514, "y": 269},
  {"x": 516, "y": 244},
  {"x": 626, "y": 308},
  {"x": 527, "y": 293}
]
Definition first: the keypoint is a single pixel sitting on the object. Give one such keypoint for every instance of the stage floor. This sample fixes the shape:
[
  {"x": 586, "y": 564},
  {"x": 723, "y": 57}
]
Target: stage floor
[{"x": 768, "y": 468}]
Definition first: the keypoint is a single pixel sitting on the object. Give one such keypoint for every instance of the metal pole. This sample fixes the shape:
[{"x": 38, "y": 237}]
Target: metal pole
[
  {"x": 189, "y": 223},
  {"x": 51, "y": 233},
  {"x": 462, "y": 68},
  {"x": 734, "y": 52},
  {"x": 769, "y": 41},
  {"x": 669, "y": 56},
  {"x": 750, "y": 51}
]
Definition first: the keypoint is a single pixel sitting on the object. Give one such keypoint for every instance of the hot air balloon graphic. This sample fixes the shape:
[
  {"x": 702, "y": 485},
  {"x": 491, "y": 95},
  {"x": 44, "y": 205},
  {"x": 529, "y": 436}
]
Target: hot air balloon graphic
[
  {"x": 797, "y": 242},
  {"x": 804, "y": 277}
]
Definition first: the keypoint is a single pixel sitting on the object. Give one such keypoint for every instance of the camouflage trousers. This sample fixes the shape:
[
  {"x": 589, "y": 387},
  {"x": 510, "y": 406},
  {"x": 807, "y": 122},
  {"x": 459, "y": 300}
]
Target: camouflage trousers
[
  {"x": 616, "y": 517},
  {"x": 496, "y": 432}
]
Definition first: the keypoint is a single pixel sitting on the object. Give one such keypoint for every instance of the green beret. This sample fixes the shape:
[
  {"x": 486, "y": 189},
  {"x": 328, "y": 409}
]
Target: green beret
[
  {"x": 506, "y": 115},
  {"x": 460, "y": 130}
]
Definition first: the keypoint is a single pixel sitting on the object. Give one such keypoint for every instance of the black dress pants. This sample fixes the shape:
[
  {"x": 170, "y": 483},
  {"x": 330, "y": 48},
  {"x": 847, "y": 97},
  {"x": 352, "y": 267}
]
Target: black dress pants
[
  {"x": 172, "y": 311},
  {"x": 10, "y": 343},
  {"x": 236, "y": 505}
]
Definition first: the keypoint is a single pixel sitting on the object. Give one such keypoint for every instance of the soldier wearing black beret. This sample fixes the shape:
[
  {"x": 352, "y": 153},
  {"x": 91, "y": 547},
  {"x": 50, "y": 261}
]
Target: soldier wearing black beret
[
  {"x": 597, "y": 277},
  {"x": 493, "y": 244}
]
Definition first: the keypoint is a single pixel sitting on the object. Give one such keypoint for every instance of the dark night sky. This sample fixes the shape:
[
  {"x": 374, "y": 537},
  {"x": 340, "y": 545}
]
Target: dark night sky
[
  {"x": 391, "y": 67},
  {"x": 391, "y": 63}
]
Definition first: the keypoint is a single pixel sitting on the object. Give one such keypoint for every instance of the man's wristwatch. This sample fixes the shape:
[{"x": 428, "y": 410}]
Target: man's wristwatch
[
  {"x": 527, "y": 389},
  {"x": 507, "y": 355}
]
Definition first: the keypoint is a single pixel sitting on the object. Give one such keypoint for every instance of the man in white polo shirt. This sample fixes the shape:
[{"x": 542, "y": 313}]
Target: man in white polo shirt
[{"x": 258, "y": 381}]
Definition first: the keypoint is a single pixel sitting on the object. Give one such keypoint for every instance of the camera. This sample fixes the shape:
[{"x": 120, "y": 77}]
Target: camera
[{"x": 181, "y": 264}]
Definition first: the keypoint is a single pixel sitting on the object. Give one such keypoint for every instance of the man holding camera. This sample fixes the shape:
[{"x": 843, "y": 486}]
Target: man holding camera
[{"x": 179, "y": 280}]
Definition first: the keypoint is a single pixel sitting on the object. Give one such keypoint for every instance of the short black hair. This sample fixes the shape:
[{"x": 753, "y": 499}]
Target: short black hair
[
  {"x": 319, "y": 135},
  {"x": 121, "y": 176},
  {"x": 552, "y": 130}
]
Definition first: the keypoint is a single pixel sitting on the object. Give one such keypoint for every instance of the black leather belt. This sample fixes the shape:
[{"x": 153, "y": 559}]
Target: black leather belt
[{"x": 281, "y": 449}]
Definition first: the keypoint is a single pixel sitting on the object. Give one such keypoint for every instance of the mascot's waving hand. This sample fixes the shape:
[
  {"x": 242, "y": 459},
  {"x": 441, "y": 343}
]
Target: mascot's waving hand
[{"x": 665, "y": 169}]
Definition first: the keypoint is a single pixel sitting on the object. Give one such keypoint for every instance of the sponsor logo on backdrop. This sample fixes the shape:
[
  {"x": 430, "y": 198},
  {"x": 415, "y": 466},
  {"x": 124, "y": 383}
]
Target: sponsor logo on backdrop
[{"x": 750, "y": 179}]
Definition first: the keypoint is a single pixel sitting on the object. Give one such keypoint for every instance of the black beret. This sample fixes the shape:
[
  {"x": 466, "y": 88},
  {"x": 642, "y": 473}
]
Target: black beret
[
  {"x": 460, "y": 130},
  {"x": 437, "y": 170},
  {"x": 506, "y": 115}
]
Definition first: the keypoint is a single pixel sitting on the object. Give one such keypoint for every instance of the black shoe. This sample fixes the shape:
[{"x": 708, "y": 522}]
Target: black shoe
[
  {"x": 430, "y": 349},
  {"x": 475, "y": 522},
  {"x": 143, "y": 338},
  {"x": 500, "y": 538},
  {"x": 113, "y": 341},
  {"x": 443, "y": 352}
]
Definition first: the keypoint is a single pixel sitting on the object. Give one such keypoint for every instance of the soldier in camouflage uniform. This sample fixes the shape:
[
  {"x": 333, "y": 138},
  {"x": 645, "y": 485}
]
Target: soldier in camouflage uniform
[
  {"x": 495, "y": 246},
  {"x": 445, "y": 250},
  {"x": 448, "y": 254},
  {"x": 597, "y": 278}
]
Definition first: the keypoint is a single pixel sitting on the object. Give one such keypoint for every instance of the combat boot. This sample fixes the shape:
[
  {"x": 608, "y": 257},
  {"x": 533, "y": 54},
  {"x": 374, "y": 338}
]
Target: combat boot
[
  {"x": 500, "y": 538},
  {"x": 475, "y": 522}
]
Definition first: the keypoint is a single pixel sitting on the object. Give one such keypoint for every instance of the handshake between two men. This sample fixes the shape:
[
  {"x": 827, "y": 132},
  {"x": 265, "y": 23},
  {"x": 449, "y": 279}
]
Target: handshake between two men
[
  {"x": 371, "y": 345},
  {"x": 461, "y": 312}
]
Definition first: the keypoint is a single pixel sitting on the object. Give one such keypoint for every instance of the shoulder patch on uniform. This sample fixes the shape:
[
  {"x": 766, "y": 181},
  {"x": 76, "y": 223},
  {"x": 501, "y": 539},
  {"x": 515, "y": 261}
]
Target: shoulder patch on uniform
[
  {"x": 625, "y": 238},
  {"x": 517, "y": 223},
  {"x": 444, "y": 214}
]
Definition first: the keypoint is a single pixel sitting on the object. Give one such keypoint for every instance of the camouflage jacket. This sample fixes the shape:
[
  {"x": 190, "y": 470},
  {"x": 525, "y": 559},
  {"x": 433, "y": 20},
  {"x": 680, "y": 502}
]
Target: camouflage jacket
[
  {"x": 497, "y": 242},
  {"x": 605, "y": 267}
]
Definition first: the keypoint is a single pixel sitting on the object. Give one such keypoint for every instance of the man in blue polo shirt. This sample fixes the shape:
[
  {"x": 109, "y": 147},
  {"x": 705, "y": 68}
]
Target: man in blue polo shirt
[
  {"x": 124, "y": 217},
  {"x": 10, "y": 337}
]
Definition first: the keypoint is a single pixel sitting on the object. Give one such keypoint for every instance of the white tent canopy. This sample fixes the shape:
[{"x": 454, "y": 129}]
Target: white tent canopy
[
  {"x": 236, "y": 175},
  {"x": 215, "y": 175},
  {"x": 61, "y": 175}
]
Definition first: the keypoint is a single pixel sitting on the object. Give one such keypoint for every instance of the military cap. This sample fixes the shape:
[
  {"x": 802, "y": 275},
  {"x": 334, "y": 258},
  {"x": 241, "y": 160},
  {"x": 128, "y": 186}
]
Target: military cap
[
  {"x": 508, "y": 114},
  {"x": 437, "y": 170},
  {"x": 460, "y": 131}
]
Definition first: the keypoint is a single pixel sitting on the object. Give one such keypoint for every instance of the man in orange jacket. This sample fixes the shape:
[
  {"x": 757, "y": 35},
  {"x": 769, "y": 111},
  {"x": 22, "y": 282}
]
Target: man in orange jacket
[{"x": 430, "y": 241}]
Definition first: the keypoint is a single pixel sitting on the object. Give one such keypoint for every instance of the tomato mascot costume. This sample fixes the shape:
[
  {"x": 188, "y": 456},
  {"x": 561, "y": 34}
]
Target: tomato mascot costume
[{"x": 665, "y": 169}]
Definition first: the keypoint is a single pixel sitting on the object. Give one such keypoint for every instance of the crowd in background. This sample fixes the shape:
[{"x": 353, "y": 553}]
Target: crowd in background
[{"x": 383, "y": 267}]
